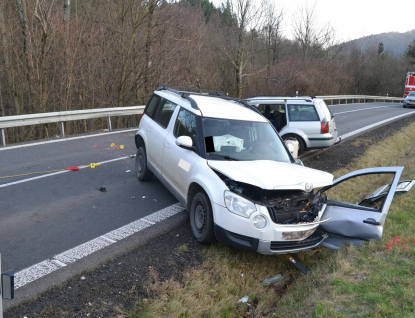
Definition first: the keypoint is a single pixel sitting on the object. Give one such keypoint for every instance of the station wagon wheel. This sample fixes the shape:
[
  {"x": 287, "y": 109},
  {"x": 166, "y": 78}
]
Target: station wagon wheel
[
  {"x": 301, "y": 145},
  {"x": 141, "y": 168},
  {"x": 201, "y": 219}
]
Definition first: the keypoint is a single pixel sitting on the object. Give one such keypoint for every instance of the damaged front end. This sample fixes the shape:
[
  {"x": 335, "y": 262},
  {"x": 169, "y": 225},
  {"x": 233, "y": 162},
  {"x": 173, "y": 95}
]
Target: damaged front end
[
  {"x": 284, "y": 206},
  {"x": 296, "y": 214}
]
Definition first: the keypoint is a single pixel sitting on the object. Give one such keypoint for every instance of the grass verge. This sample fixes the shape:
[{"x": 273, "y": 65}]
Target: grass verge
[{"x": 374, "y": 280}]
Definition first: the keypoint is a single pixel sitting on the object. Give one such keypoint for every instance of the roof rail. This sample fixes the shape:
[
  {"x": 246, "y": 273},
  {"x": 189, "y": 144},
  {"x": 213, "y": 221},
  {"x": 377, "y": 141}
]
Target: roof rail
[
  {"x": 283, "y": 96},
  {"x": 185, "y": 92}
]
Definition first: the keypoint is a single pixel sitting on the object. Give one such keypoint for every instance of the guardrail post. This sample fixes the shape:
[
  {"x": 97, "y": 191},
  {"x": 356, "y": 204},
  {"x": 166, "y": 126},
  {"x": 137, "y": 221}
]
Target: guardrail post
[
  {"x": 353, "y": 101},
  {"x": 109, "y": 123},
  {"x": 332, "y": 102},
  {"x": 61, "y": 125},
  {"x": 3, "y": 137}
]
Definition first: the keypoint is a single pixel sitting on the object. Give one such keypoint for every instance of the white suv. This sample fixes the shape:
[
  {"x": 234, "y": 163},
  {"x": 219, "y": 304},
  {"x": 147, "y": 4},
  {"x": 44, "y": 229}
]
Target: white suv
[
  {"x": 225, "y": 162},
  {"x": 306, "y": 119}
]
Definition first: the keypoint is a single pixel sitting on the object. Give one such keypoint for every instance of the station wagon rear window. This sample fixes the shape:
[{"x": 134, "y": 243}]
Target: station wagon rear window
[{"x": 302, "y": 113}]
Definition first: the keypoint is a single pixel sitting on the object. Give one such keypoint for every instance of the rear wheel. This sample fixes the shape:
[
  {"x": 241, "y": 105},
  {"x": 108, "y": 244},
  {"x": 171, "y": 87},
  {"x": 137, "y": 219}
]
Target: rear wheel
[
  {"x": 201, "y": 219},
  {"x": 141, "y": 168},
  {"x": 301, "y": 145}
]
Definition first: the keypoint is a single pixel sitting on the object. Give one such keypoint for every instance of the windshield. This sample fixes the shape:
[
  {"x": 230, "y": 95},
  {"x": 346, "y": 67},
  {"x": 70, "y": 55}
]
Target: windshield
[
  {"x": 411, "y": 94},
  {"x": 228, "y": 139}
]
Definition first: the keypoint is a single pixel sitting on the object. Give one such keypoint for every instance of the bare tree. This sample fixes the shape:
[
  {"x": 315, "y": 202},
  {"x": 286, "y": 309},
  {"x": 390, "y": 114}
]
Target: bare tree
[
  {"x": 8, "y": 68},
  {"x": 235, "y": 45},
  {"x": 311, "y": 36}
]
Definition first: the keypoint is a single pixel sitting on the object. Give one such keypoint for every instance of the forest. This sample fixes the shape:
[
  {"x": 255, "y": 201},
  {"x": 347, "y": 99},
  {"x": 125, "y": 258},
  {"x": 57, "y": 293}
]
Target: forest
[{"x": 72, "y": 55}]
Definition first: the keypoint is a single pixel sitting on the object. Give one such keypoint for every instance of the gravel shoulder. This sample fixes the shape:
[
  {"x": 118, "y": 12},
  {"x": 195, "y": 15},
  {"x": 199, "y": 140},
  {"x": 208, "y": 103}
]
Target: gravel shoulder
[{"x": 114, "y": 287}]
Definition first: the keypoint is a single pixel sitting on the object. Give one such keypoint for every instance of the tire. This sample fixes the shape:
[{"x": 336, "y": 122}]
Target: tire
[
  {"x": 301, "y": 145},
  {"x": 201, "y": 219},
  {"x": 141, "y": 168},
  {"x": 404, "y": 105}
]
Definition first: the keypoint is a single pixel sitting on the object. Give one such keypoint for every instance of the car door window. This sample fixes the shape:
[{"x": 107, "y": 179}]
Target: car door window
[
  {"x": 165, "y": 112},
  {"x": 185, "y": 125},
  {"x": 302, "y": 113},
  {"x": 152, "y": 106},
  {"x": 359, "y": 192}
]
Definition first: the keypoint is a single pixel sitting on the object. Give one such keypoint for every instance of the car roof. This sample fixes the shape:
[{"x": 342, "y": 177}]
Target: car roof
[
  {"x": 229, "y": 109},
  {"x": 212, "y": 106},
  {"x": 282, "y": 98}
]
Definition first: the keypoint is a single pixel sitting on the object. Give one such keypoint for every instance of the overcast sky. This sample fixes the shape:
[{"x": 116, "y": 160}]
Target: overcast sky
[{"x": 353, "y": 19}]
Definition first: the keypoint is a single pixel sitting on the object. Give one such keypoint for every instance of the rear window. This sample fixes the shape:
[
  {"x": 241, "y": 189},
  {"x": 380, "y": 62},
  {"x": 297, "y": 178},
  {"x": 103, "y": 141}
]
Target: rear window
[{"x": 302, "y": 113}]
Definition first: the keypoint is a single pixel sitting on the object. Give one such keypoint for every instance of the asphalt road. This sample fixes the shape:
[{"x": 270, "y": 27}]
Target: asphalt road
[
  {"x": 42, "y": 217},
  {"x": 46, "y": 216},
  {"x": 354, "y": 117}
]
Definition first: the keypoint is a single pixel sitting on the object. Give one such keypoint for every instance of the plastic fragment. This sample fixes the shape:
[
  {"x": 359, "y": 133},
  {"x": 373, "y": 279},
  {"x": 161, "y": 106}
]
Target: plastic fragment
[
  {"x": 128, "y": 170},
  {"x": 103, "y": 189},
  {"x": 143, "y": 197},
  {"x": 155, "y": 200},
  {"x": 243, "y": 300},
  {"x": 73, "y": 168},
  {"x": 94, "y": 146},
  {"x": 112, "y": 145},
  {"x": 271, "y": 280}
]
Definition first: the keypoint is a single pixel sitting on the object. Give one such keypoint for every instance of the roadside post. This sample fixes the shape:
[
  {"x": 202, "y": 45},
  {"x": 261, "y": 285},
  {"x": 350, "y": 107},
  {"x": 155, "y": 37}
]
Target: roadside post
[{"x": 6, "y": 287}]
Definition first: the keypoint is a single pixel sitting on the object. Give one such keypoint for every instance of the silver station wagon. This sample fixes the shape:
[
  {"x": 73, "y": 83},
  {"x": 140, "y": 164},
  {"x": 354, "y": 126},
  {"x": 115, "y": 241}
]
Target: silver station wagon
[{"x": 306, "y": 119}]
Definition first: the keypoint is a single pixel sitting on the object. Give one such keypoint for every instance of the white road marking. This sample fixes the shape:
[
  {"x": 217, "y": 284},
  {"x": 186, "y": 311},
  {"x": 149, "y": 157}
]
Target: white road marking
[
  {"x": 58, "y": 172},
  {"x": 362, "y": 109},
  {"x": 358, "y": 131},
  {"x": 66, "y": 139},
  {"x": 48, "y": 266}
]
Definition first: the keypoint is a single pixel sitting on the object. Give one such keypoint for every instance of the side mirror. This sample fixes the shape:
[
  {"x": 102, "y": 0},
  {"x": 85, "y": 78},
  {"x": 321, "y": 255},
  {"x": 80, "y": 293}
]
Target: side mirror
[{"x": 184, "y": 142}]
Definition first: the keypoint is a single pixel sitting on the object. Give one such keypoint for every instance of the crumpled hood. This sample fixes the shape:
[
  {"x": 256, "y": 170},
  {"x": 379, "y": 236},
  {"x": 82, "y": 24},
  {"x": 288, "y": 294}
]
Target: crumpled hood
[{"x": 272, "y": 175}]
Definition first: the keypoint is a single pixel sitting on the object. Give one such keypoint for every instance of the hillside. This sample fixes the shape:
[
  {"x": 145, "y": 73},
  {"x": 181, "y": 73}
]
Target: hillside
[{"x": 394, "y": 43}]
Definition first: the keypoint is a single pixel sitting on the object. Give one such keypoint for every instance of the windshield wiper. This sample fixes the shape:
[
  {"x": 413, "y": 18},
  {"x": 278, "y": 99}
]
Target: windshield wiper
[{"x": 222, "y": 156}]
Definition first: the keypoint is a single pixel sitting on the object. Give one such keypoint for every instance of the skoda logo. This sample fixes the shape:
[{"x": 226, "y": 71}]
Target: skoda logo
[{"x": 308, "y": 187}]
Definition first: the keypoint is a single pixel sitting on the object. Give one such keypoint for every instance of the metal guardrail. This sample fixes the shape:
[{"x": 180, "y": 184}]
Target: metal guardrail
[
  {"x": 359, "y": 98},
  {"x": 61, "y": 117}
]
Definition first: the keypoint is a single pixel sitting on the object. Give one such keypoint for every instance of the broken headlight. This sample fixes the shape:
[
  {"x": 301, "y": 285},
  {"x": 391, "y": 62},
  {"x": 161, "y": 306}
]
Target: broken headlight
[{"x": 238, "y": 205}]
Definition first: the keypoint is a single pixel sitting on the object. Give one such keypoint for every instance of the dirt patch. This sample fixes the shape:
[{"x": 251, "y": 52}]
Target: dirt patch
[{"x": 115, "y": 288}]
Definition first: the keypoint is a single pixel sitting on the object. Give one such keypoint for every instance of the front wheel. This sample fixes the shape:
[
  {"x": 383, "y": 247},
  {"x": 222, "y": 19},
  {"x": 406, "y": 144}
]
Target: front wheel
[
  {"x": 404, "y": 105},
  {"x": 201, "y": 219},
  {"x": 141, "y": 168},
  {"x": 301, "y": 145}
]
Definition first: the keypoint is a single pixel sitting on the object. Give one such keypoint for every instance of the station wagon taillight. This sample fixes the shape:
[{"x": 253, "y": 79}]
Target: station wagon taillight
[{"x": 325, "y": 127}]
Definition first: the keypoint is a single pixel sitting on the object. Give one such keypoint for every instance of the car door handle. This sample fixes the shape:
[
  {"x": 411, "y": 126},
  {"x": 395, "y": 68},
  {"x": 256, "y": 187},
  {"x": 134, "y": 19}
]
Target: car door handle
[
  {"x": 167, "y": 145},
  {"x": 371, "y": 221}
]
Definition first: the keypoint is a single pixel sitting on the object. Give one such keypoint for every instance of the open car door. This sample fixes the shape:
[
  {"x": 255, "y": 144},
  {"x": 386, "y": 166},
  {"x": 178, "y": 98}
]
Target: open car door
[{"x": 354, "y": 219}]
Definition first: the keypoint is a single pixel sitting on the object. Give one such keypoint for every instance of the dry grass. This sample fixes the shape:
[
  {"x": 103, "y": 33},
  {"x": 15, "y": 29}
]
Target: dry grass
[{"x": 366, "y": 281}]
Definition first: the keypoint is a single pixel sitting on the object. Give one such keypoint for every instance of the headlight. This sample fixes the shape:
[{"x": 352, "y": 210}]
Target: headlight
[
  {"x": 259, "y": 221},
  {"x": 238, "y": 205}
]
